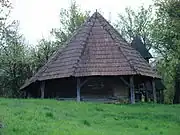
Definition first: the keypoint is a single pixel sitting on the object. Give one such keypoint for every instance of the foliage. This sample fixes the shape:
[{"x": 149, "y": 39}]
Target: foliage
[
  {"x": 14, "y": 65},
  {"x": 167, "y": 71},
  {"x": 13, "y": 62},
  {"x": 136, "y": 23},
  {"x": 70, "y": 20},
  {"x": 44, "y": 117},
  {"x": 42, "y": 52},
  {"x": 166, "y": 41},
  {"x": 166, "y": 28}
]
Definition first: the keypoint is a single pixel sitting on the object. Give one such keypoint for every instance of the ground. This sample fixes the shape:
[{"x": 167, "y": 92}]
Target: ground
[{"x": 51, "y": 117}]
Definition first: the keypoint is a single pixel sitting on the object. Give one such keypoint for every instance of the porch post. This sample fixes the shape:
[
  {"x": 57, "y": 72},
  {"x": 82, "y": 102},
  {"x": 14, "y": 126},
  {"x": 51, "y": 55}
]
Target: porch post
[
  {"x": 42, "y": 87},
  {"x": 146, "y": 91},
  {"x": 27, "y": 94},
  {"x": 154, "y": 90},
  {"x": 132, "y": 90},
  {"x": 78, "y": 90}
]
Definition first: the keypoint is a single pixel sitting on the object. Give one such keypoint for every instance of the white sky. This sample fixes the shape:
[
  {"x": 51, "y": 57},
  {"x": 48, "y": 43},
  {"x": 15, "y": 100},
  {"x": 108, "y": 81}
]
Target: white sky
[{"x": 38, "y": 17}]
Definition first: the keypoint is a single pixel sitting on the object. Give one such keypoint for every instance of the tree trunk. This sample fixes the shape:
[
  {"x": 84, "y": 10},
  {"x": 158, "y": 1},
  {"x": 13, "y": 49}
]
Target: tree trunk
[{"x": 177, "y": 86}]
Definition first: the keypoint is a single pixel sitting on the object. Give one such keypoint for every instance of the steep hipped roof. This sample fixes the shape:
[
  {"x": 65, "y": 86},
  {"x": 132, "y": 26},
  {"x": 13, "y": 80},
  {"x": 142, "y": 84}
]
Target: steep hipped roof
[
  {"x": 139, "y": 46},
  {"x": 95, "y": 49}
]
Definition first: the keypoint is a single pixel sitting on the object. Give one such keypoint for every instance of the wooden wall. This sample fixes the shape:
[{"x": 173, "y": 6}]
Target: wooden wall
[{"x": 97, "y": 87}]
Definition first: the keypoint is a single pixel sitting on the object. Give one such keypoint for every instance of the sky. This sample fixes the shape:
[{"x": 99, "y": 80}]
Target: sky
[{"x": 38, "y": 17}]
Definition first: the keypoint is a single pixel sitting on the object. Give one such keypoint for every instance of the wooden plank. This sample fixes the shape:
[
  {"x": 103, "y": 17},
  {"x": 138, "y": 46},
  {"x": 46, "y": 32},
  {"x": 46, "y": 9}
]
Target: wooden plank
[
  {"x": 154, "y": 91},
  {"x": 132, "y": 90},
  {"x": 78, "y": 90},
  {"x": 42, "y": 87}
]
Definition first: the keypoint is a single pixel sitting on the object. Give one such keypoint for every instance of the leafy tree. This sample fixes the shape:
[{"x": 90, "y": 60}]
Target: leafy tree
[
  {"x": 70, "y": 20},
  {"x": 14, "y": 65},
  {"x": 166, "y": 28},
  {"x": 42, "y": 52},
  {"x": 136, "y": 23},
  {"x": 166, "y": 42},
  {"x": 13, "y": 59}
]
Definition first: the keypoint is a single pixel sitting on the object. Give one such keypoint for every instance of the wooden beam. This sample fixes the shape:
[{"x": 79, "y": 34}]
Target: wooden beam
[
  {"x": 154, "y": 90},
  {"x": 78, "y": 90},
  {"x": 132, "y": 90},
  {"x": 42, "y": 87},
  {"x": 125, "y": 82},
  {"x": 85, "y": 81}
]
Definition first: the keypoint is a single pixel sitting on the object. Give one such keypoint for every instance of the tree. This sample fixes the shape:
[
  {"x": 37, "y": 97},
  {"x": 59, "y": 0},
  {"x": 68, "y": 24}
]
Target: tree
[
  {"x": 136, "y": 23},
  {"x": 42, "y": 52},
  {"x": 166, "y": 41},
  {"x": 5, "y": 7},
  {"x": 14, "y": 62},
  {"x": 14, "y": 66},
  {"x": 70, "y": 20},
  {"x": 166, "y": 28}
]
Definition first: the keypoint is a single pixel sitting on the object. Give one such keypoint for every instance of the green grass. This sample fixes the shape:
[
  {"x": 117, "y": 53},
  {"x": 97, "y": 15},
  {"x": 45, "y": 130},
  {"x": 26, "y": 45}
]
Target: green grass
[{"x": 51, "y": 117}]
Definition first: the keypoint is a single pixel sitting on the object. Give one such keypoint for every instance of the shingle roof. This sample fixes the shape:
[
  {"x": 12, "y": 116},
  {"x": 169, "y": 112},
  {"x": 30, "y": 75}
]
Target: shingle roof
[{"x": 96, "y": 48}]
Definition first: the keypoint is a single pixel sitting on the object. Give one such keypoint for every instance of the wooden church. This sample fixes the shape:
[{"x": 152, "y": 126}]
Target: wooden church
[{"x": 97, "y": 64}]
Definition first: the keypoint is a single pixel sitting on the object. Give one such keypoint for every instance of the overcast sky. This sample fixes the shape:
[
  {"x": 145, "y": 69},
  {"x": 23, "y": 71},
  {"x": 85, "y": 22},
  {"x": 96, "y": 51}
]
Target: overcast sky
[{"x": 38, "y": 17}]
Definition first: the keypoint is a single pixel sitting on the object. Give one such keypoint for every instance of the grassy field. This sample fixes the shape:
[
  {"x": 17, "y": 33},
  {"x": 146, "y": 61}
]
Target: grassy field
[{"x": 51, "y": 117}]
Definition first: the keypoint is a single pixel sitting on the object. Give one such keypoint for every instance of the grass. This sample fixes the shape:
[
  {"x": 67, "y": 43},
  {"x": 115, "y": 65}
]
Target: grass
[{"x": 51, "y": 117}]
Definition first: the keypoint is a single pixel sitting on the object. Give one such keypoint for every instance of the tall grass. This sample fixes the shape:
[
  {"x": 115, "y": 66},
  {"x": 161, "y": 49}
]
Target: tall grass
[{"x": 51, "y": 117}]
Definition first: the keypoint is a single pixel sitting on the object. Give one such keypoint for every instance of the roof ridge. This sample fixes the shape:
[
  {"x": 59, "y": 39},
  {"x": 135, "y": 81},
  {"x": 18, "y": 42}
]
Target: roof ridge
[
  {"x": 116, "y": 32},
  {"x": 85, "y": 44},
  {"x": 129, "y": 61},
  {"x": 104, "y": 27},
  {"x": 60, "y": 50}
]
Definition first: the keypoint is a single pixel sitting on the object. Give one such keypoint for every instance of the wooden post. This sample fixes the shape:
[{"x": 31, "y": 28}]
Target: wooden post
[
  {"x": 147, "y": 96},
  {"x": 146, "y": 91},
  {"x": 42, "y": 87},
  {"x": 132, "y": 90},
  {"x": 154, "y": 90},
  {"x": 27, "y": 94},
  {"x": 78, "y": 90}
]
